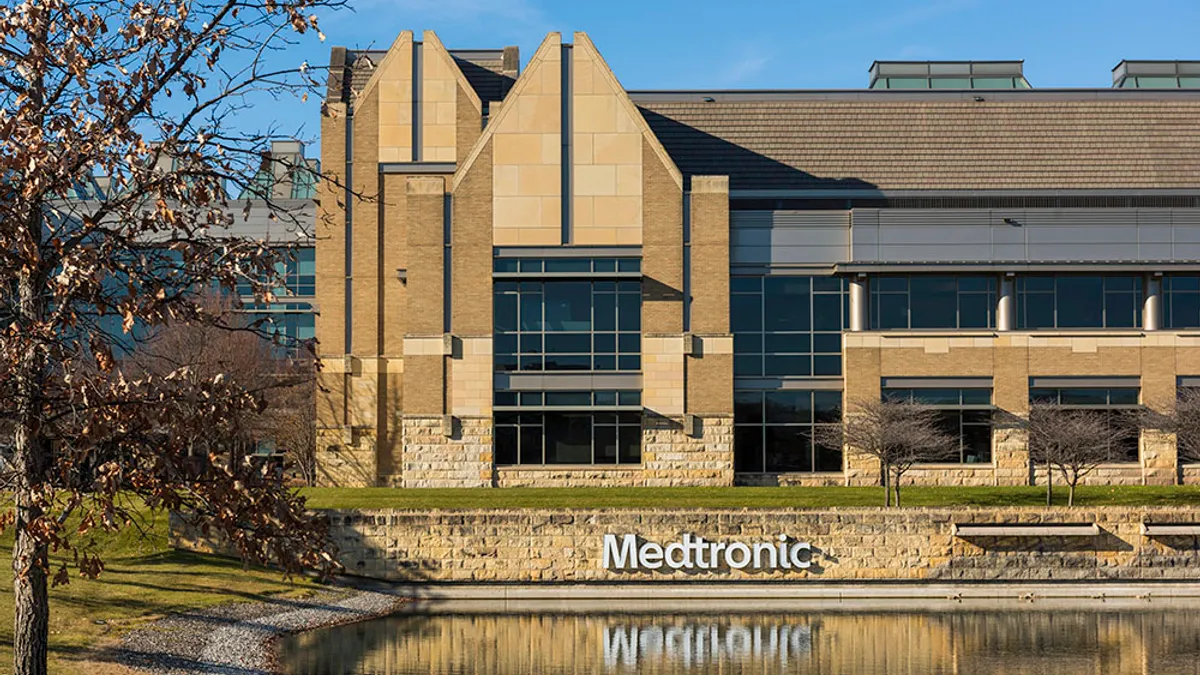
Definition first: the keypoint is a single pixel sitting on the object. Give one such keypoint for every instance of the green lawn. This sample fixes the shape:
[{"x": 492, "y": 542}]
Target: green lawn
[
  {"x": 735, "y": 497},
  {"x": 144, "y": 579}
]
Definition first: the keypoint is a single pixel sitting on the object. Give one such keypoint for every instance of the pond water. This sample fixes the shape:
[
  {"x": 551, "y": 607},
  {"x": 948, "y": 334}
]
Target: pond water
[{"x": 1027, "y": 642}]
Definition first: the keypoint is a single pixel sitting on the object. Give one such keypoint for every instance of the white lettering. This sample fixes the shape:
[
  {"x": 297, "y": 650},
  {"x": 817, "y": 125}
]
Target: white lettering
[
  {"x": 629, "y": 552},
  {"x": 619, "y": 558},
  {"x": 745, "y": 553},
  {"x": 651, "y": 556}
]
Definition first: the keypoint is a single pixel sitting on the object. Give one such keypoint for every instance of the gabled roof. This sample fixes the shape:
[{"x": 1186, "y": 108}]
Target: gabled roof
[{"x": 862, "y": 141}]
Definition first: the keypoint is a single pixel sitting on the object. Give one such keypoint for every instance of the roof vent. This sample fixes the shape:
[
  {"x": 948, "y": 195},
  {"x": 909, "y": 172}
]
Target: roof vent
[
  {"x": 1156, "y": 75},
  {"x": 948, "y": 75}
]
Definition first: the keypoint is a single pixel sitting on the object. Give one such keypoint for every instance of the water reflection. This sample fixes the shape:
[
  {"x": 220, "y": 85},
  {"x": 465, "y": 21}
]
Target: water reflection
[{"x": 988, "y": 643}]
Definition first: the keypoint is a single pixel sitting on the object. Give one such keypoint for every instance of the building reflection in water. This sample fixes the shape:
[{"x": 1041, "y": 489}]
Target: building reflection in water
[{"x": 1025, "y": 643}]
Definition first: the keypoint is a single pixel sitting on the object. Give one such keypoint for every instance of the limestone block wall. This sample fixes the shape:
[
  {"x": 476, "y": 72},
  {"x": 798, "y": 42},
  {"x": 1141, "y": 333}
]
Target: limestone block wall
[
  {"x": 570, "y": 476},
  {"x": 674, "y": 457},
  {"x": 847, "y": 544},
  {"x": 434, "y": 459}
]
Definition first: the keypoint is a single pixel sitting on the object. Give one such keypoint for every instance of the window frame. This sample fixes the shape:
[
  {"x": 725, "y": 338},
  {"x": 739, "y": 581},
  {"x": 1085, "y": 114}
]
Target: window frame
[
  {"x": 1023, "y": 293},
  {"x": 813, "y": 345},
  {"x": 1111, "y": 409},
  {"x": 764, "y": 424},
  {"x": 877, "y": 293},
  {"x": 912, "y": 393}
]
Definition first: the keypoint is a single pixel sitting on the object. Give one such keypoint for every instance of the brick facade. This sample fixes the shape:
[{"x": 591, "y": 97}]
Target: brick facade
[{"x": 460, "y": 163}]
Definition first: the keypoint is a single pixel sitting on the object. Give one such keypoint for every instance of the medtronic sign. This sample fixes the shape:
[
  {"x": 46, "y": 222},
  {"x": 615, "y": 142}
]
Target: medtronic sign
[{"x": 626, "y": 552}]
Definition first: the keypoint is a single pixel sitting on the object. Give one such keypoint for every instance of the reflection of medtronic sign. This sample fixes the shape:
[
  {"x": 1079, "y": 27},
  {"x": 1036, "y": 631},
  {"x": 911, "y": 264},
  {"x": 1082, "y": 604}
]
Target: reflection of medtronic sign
[{"x": 694, "y": 553}]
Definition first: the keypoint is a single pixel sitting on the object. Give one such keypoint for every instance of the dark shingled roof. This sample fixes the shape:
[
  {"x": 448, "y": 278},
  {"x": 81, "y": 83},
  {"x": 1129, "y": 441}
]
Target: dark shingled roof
[
  {"x": 1037, "y": 142},
  {"x": 485, "y": 71},
  {"x": 350, "y": 70}
]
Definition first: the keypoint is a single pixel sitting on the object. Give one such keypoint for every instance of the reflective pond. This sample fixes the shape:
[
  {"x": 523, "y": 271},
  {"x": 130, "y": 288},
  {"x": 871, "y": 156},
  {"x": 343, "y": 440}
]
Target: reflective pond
[{"x": 1058, "y": 642}]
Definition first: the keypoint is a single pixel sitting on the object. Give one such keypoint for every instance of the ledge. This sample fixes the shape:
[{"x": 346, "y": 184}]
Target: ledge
[
  {"x": 1022, "y": 530},
  {"x": 1170, "y": 529},
  {"x": 505, "y": 468}
]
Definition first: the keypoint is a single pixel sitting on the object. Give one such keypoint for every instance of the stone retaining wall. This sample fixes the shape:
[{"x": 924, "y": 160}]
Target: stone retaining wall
[{"x": 847, "y": 544}]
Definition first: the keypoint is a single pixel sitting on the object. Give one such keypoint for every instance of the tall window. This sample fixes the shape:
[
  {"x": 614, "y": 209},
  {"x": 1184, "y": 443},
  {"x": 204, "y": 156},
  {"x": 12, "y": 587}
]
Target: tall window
[
  {"x": 928, "y": 301},
  {"x": 1181, "y": 301},
  {"x": 787, "y": 326},
  {"x": 774, "y": 431},
  {"x": 568, "y": 427},
  {"x": 568, "y": 324},
  {"x": 965, "y": 414},
  {"x": 1114, "y": 402},
  {"x": 1079, "y": 301}
]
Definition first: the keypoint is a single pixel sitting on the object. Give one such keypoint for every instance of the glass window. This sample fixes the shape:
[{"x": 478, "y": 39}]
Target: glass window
[
  {"x": 785, "y": 326},
  {"x": 1078, "y": 301},
  {"x": 585, "y": 325},
  {"x": 774, "y": 431},
  {"x": 1181, "y": 301},
  {"x": 931, "y": 301},
  {"x": 552, "y": 437},
  {"x": 965, "y": 414},
  {"x": 1114, "y": 401}
]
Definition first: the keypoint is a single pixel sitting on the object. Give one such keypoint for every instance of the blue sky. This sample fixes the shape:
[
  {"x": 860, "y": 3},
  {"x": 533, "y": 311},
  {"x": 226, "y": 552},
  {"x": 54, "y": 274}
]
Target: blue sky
[{"x": 801, "y": 44}]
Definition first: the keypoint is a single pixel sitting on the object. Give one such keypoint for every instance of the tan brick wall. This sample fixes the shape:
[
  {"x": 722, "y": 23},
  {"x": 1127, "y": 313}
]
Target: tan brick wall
[
  {"x": 710, "y": 254},
  {"x": 662, "y": 247},
  {"x": 860, "y": 368},
  {"x": 366, "y": 245},
  {"x": 393, "y": 309},
  {"x": 330, "y": 234},
  {"x": 471, "y": 249},
  {"x": 850, "y": 544},
  {"x": 1011, "y": 359},
  {"x": 426, "y": 255},
  {"x": 433, "y": 460}
]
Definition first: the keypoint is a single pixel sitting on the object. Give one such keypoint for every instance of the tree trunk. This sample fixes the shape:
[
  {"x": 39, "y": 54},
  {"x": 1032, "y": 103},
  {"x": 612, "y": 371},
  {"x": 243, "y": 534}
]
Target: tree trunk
[
  {"x": 31, "y": 601},
  {"x": 29, "y": 562},
  {"x": 1071, "y": 493},
  {"x": 887, "y": 487},
  {"x": 1049, "y": 486},
  {"x": 896, "y": 487}
]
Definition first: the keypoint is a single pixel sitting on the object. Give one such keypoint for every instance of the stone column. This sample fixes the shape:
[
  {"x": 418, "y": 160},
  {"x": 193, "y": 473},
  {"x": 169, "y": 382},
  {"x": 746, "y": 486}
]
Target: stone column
[
  {"x": 858, "y": 304},
  {"x": 1152, "y": 317},
  {"x": 1006, "y": 313}
]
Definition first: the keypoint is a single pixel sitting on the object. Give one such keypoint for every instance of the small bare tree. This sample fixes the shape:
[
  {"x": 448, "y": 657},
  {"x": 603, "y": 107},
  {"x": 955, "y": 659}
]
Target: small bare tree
[
  {"x": 1183, "y": 421},
  {"x": 1074, "y": 441},
  {"x": 898, "y": 433}
]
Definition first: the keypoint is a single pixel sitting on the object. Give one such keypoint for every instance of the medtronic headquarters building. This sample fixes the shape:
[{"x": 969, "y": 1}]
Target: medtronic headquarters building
[{"x": 533, "y": 277}]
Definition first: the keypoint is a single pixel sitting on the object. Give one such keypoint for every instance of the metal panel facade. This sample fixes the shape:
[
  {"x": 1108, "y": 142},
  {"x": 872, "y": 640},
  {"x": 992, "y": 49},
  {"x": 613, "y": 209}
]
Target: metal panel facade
[
  {"x": 1025, "y": 235},
  {"x": 789, "y": 237}
]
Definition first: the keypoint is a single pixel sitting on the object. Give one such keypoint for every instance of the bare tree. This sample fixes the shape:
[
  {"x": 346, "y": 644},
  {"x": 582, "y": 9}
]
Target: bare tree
[
  {"x": 229, "y": 345},
  {"x": 1074, "y": 441},
  {"x": 1183, "y": 421},
  {"x": 898, "y": 433},
  {"x": 152, "y": 95}
]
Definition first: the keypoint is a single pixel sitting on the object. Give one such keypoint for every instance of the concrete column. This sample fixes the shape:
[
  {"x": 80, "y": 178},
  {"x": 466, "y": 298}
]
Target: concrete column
[
  {"x": 858, "y": 304},
  {"x": 1152, "y": 318},
  {"x": 1006, "y": 314}
]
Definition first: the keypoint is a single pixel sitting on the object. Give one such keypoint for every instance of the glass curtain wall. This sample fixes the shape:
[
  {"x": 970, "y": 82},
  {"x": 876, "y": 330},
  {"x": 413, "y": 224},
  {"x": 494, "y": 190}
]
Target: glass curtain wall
[
  {"x": 785, "y": 326},
  {"x": 774, "y": 431}
]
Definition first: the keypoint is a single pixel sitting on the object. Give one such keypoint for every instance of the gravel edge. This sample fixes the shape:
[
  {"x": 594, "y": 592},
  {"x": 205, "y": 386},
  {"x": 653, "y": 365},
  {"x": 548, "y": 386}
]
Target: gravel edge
[{"x": 240, "y": 638}]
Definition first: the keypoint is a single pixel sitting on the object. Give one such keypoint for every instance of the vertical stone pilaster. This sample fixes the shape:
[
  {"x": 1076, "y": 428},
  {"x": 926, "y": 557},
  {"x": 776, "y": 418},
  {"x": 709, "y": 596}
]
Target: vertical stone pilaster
[
  {"x": 861, "y": 368},
  {"x": 1010, "y": 395},
  {"x": 1160, "y": 459}
]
